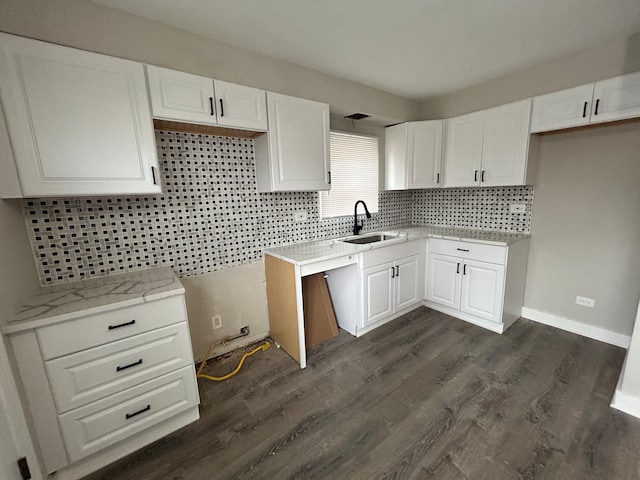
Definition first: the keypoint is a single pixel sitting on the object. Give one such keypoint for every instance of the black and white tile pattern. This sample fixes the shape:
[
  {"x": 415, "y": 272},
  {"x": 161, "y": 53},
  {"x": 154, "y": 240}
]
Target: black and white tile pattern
[
  {"x": 210, "y": 217},
  {"x": 476, "y": 208}
]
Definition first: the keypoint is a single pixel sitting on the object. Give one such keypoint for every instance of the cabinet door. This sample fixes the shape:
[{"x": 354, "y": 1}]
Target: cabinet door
[
  {"x": 298, "y": 143},
  {"x": 377, "y": 292},
  {"x": 505, "y": 144},
  {"x": 407, "y": 282},
  {"x": 567, "y": 108},
  {"x": 463, "y": 151},
  {"x": 482, "y": 290},
  {"x": 443, "y": 280},
  {"x": 239, "y": 106},
  {"x": 181, "y": 96},
  {"x": 616, "y": 98},
  {"x": 425, "y": 154},
  {"x": 79, "y": 122},
  {"x": 395, "y": 157}
]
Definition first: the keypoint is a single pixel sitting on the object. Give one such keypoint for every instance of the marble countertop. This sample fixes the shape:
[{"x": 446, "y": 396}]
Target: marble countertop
[
  {"x": 59, "y": 303},
  {"x": 315, "y": 251}
]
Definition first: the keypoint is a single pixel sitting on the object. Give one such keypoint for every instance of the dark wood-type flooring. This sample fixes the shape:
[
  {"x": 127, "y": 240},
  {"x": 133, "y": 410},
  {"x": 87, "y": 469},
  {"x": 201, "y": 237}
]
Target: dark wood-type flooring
[{"x": 425, "y": 396}]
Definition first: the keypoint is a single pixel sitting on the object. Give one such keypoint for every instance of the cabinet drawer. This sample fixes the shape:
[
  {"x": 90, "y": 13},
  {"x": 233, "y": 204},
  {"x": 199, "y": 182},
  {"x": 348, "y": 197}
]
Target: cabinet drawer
[
  {"x": 472, "y": 251},
  {"x": 92, "y": 374},
  {"x": 87, "y": 332},
  {"x": 100, "y": 424},
  {"x": 391, "y": 253}
]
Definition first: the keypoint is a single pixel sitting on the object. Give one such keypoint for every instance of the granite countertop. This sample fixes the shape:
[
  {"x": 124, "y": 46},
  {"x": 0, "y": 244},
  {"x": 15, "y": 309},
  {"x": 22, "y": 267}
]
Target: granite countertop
[
  {"x": 315, "y": 251},
  {"x": 59, "y": 303}
]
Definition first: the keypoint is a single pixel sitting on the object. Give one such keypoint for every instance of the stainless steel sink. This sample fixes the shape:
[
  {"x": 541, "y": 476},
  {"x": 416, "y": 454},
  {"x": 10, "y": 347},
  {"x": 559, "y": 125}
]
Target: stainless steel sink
[{"x": 379, "y": 237}]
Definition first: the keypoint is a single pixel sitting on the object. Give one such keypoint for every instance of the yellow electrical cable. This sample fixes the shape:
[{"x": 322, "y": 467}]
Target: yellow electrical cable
[{"x": 262, "y": 347}]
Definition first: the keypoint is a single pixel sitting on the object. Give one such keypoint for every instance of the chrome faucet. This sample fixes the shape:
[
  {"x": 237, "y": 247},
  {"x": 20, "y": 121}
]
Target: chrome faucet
[{"x": 356, "y": 226}]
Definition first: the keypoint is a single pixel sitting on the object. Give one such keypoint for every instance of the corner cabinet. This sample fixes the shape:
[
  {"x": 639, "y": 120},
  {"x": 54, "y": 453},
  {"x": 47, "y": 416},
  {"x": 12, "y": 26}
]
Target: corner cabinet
[
  {"x": 185, "y": 97},
  {"x": 613, "y": 99},
  {"x": 413, "y": 155},
  {"x": 294, "y": 154},
  {"x": 79, "y": 122},
  {"x": 483, "y": 284},
  {"x": 488, "y": 148}
]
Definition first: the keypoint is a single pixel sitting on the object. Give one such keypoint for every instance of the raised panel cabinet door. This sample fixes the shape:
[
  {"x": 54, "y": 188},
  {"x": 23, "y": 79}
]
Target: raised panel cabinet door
[
  {"x": 482, "y": 290},
  {"x": 79, "y": 122},
  {"x": 425, "y": 154},
  {"x": 463, "y": 152},
  {"x": 564, "y": 109},
  {"x": 181, "y": 96},
  {"x": 443, "y": 280},
  {"x": 240, "y": 107},
  {"x": 378, "y": 292},
  {"x": 616, "y": 98},
  {"x": 395, "y": 157},
  {"x": 505, "y": 144},
  {"x": 298, "y": 143},
  {"x": 407, "y": 282}
]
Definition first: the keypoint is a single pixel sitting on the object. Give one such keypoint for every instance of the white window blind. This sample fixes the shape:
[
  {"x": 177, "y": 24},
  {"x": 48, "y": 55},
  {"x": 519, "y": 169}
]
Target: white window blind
[{"x": 354, "y": 175}]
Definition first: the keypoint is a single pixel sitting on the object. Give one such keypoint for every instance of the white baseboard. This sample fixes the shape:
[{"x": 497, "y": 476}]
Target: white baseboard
[
  {"x": 626, "y": 403},
  {"x": 590, "y": 331}
]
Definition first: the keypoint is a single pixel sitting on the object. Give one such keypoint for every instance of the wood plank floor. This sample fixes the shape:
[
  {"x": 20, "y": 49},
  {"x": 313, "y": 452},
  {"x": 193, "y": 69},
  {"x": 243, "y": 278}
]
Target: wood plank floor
[{"x": 425, "y": 396}]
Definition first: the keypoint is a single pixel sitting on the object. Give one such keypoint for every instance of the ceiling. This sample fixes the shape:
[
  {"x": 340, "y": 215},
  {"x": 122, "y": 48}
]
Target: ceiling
[{"x": 413, "y": 48}]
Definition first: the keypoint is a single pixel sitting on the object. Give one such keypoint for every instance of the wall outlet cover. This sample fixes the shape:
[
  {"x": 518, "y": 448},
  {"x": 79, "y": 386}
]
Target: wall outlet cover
[
  {"x": 216, "y": 321},
  {"x": 300, "y": 215},
  {"x": 585, "y": 301},
  {"x": 518, "y": 208}
]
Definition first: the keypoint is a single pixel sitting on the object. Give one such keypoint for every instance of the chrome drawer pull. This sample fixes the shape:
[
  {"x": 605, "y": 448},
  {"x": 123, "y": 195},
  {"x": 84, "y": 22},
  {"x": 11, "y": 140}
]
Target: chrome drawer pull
[
  {"x": 120, "y": 325},
  {"x": 131, "y": 415},
  {"x": 462, "y": 249},
  {"x": 119, "y": 369}
]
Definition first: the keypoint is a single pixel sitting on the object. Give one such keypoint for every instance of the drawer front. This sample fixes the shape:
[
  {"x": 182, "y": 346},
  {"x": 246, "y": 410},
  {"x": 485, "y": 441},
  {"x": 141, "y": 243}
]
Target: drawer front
[
  {"x": 470, "y": 250},
  {"x": 381, "y": 255},
  {"x": 87, "y": 332},
  {"x": 92, "y": 374},
  {"x": 98, "y": 425}
]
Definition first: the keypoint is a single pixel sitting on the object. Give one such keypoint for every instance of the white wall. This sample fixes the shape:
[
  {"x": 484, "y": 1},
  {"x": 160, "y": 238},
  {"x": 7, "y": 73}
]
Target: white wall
[{"x": 83, "y": 24}]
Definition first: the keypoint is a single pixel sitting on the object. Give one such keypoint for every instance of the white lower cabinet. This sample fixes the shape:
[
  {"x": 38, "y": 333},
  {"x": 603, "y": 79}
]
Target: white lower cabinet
[
  {"x": 392, "y": 282},
  {"x": 480, "y": 283},
  {"x": 103, "y": 385}
]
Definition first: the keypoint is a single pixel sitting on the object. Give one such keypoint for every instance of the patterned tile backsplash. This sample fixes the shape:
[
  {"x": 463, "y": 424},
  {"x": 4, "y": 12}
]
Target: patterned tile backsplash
[
  {"x": 477, "y": 208},
  {"x": 211, "y": 217}
]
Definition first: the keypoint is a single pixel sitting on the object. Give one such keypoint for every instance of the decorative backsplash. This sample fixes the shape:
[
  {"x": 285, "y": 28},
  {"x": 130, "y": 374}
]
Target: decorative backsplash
[
  {"x": 210, "y": 217},
  {"x": 485, "y": 208}
]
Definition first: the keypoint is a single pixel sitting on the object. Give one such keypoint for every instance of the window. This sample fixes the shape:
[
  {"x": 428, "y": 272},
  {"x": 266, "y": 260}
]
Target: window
[{"x": 354, "y": 174}]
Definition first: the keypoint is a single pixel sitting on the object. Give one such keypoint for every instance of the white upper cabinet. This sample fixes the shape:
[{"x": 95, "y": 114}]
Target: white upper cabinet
[
  {"x": 181, "y": 96},
  {"x": 240, "y": 106},
  {"x": 505, "y": 144},
  {"x": 79, "y": 122},
  {"x": 567, "y": 108},
  {"x": 294, "y": 154},
  {"x": 605, "y": 101},
  {"x": 463, "y": 150},
  {"x": 413, "y": 155},
  {"x": 616, "y": 98},
  {"x": 192, "y": 98},
  {"x": 489, "y": 147}
]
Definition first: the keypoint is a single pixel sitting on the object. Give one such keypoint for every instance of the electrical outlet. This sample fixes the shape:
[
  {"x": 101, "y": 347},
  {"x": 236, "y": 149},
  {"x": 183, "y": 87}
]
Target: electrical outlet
[
  {"x": 585, "y": 302},
  {"x": 300, "y": 216},
  {"x": 216, "y": 321},
  {"x": 518, "y": 208}
]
